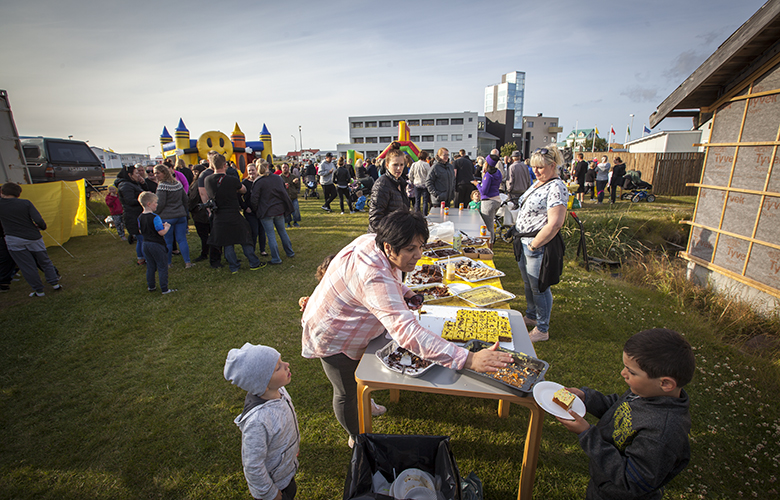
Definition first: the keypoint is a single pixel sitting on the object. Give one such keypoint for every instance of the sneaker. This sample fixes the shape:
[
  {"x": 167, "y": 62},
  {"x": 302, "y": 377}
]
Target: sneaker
[
  {"x": 201, "y": 258},
  {"x": 529, "y": 321},
  {"x": 537, "y": 336},
  {"x": 234, "y": 272},
  {"x": 217, "y": 266},
  {"x": 377, "y": 410},
  {"x": 152, "y": 289},
  {"x": 259, "y": 266},
  {"x": 170, "y": 290},
  {"x": 295, "y": 224},
  {"x": 57, "y": 287},
  {"x": 37, "y": 294},
  {"x": 189, "y": 265},
  {"x": 350, "y": 442},
  {"x": 327, "y": 209},
  {"x": 342, "y": 213}
]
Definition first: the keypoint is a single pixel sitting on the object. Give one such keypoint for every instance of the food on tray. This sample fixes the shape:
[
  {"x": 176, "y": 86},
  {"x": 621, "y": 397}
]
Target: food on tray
[
  {"x": 412, "y": 361},
  {"x": 485, "y": 295},
  {"x": 436, "y": 244},
  {"x": 440, "y": 253},
  {"x": 469, "y": 250},
  {"x": 435, "y": 292},
  {"x": 563, "y": 398},
  {"x": 470, "y": 324},
  {"x": 513, "y": 375},
  {"x": 473, "y": 241},
  {"x": 476, "y": 272},
  {"x": 428, "y": 273},
  {"x": 484, "y": 251}
]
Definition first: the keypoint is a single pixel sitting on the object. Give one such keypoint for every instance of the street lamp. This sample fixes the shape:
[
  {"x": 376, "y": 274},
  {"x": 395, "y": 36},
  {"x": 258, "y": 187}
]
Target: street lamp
[
  {"x": 632, "y": 125},
  {"x": 300, "y": 137},
  {"x": 294, "y": 142},
  {"x": 148, "y": 153}
]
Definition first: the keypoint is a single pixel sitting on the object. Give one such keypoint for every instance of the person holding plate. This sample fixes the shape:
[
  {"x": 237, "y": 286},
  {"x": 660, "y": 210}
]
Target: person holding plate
[{"x": 361, "y": 296}]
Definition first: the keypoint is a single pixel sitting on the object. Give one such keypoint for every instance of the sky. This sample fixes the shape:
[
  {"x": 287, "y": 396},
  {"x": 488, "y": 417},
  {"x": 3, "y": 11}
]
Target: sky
[{"x": 115, "y": 72}]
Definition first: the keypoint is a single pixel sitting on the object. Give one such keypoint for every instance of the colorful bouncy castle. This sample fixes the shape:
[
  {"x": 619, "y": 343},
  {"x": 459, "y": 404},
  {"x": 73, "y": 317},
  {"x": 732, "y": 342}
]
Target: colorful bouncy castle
[
  {"x": 235, "y": 148},
  {"x": 403, "y": 141}
]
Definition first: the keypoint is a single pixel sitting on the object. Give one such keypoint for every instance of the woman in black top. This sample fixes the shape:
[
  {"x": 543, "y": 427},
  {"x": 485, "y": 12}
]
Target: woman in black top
[{"x": 341, "y": 179}]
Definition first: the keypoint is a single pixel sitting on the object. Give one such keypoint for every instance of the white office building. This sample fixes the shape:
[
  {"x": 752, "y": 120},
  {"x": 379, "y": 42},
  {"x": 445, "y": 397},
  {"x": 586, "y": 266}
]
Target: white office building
[{"x": 370, "y": 135}]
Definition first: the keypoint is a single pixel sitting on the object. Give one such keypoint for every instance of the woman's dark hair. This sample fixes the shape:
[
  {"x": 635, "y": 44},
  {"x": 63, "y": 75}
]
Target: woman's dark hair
[
  {"x": 11, "y": 189},
  {"x": 400, "y": 228},
  {"x": 423, "y": 155},
  {"x": 661, "y": 352}
]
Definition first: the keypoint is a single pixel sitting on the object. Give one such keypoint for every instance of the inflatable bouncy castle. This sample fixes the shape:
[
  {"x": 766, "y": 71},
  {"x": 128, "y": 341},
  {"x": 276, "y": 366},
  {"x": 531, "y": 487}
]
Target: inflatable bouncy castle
[
  {"x": 403, "y": 141},
  {"x": 235, "y": 148}
]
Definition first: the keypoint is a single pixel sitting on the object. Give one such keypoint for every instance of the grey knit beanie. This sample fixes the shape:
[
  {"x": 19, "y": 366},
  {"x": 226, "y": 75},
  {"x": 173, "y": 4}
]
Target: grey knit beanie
[{"x": 251, "y": 367}]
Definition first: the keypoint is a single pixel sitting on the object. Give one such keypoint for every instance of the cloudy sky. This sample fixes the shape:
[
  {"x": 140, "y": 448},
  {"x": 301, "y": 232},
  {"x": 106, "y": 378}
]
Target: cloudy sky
[{"x": 115, "y": 72}]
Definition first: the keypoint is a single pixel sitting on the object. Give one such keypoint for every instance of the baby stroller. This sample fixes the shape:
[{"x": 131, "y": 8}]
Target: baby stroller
[
  {"x": 310, "y": 181},
  {"x": 635, "y": 189}
]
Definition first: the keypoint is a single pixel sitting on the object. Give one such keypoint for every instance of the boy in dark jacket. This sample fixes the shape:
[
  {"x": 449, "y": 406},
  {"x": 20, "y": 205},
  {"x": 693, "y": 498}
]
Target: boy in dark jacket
[{"x": 641, "y": 440}]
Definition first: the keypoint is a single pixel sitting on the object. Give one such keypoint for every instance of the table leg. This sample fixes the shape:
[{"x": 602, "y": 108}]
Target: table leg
[
  {"x": 395, "y": 395},
  {"x": 533, "y": 441},
  {"x": 503, "y": 408},
  {"x": 364, "y": 407}
]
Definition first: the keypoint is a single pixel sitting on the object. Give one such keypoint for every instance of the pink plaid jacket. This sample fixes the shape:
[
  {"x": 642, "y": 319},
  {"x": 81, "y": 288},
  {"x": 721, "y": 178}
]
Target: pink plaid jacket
[{"x": 359, "y": 298}]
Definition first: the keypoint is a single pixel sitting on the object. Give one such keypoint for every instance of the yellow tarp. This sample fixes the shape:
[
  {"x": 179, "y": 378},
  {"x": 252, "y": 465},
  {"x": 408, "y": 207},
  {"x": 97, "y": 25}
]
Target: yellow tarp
[{"x": 63, "y": 205}]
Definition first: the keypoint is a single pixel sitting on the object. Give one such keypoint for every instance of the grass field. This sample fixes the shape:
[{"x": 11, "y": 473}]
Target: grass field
[{"x": 109, "y": 391}]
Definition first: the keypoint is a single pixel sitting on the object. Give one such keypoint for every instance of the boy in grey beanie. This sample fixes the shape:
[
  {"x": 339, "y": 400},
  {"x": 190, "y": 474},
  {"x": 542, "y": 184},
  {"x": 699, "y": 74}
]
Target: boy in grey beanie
[{"x": 270, "y": 438}]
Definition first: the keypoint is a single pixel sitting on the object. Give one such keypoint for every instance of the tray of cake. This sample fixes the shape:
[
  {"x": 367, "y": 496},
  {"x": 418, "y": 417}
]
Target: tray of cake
[{"x": 520, "y": 375}]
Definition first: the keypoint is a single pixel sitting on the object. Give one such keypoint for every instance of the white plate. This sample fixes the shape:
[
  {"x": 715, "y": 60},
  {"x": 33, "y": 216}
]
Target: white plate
[
  {"x": 410, "y": 479},
  {"x": 543, "y": 394}
]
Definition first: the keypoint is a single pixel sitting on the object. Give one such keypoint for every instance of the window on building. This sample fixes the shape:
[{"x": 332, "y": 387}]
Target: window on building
[
  {"x": 371, "y": 140},
  {"x": 414, "y": 138},
  {"x": 357, "y": 124},
  {"x": 429, "y": 151},
  {"x": 456, "y": 121},
  {"x": 469, "y": 136},
  {"x": 471, "y": 119},
  {"x": 372, "y": 154},
  {"x": 427, "y": 138},
  {"x": 426, "y": 123},
  {"x": 358, "y": 140},
  {"x": 370, "y": 124},
  {"x": 385, "y": 123},
  {"x": 481, "y": 126},
  {"x": 529, "y": 124},
  {"x": 396, "y": 122},
  {"x": 385, "y": 139},
  {"x": 553, "y": 124},
  {"x": 395, "y": 137},
  {"x": 441, "y": 138},
  {"x": 413, "y": 123},
  {"x": 457, "y": 137},
  {"x": 442, "y": 121}
]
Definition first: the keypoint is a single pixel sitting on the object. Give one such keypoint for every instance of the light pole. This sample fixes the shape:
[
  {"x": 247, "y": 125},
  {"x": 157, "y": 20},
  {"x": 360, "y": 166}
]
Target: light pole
[
  {"x": 300, "y": 137},
  {"x": 148, "y": 153},
  {"x": 294, "y": 142},
  {"x": 632, "y": 125},
  {"x": 70, "y": 137}
]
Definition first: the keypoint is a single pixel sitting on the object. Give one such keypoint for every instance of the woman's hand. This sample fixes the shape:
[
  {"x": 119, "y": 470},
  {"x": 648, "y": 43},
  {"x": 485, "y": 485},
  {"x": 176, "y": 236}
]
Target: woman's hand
[{"x": 488, "y": 360}]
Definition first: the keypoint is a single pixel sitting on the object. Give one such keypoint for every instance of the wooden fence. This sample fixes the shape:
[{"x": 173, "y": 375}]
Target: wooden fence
[{"x": 667, "y": 172}]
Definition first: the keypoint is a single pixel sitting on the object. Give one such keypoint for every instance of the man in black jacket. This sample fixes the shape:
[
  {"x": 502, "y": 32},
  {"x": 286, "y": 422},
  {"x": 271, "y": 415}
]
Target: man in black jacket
[{"x": 464, "y": 177}]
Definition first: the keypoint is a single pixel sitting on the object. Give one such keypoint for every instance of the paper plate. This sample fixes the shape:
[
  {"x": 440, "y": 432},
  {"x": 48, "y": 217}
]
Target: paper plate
[
  {"x": 543, "y": 394},
  {"x": 412, "y": 479}
]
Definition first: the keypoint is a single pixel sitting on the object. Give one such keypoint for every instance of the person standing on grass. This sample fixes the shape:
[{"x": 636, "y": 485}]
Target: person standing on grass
[
  {"x": 115, "y": 206},
  {"x": 441, "y": 180},
  {"x": 325, "y": 172},
  {"x": 172, "y": 204},
  {"x": 271, "y": 204},
  {"x": 602, "y": 177},
  {"x": 270, "y": 437},
  {"x": 389, "y": 191},
  {"x": 292, "y": 182},
  {"x": 616, "y": 178},
  {"x": 22, "y": 224},
  {"x": 153, "y": 229},
  {"x": 342, "y": 177}
]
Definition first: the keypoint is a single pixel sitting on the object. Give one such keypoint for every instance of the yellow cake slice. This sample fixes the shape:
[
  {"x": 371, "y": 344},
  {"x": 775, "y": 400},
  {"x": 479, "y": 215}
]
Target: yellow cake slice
[{"x": 563, "y": 398}]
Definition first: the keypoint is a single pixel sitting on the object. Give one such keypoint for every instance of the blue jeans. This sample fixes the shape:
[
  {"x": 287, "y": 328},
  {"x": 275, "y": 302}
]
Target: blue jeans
[
  {"x": 233, "y": 263},
  {"x": 139, "y": 246},
  {"x": 295, "y": 216},
  {"x": 422, "y": 200},
  {"x": 269, "y": 223},
  {"x": 258, "y": 233},
  {"x": 156, "y": 260},
  {"x": 178, "y": 230},
  {"x": 538, "y": 304}
]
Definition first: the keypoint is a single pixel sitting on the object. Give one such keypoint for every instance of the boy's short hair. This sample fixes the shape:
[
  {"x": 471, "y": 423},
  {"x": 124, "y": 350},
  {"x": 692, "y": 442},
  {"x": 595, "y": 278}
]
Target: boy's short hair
[
  {"x": 359, "y": 194},
  {"x": 146, "y": 198},
  {"x": 475, "y": 193},
  {"x": 393, "y": 153},
  {"x": 661, "y": 352},
  {"x": 11, "y": 189}
]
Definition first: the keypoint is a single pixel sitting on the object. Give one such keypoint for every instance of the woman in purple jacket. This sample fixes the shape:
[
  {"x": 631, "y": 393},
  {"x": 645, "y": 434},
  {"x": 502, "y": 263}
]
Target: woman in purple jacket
[{"x": 488, "y": 189}]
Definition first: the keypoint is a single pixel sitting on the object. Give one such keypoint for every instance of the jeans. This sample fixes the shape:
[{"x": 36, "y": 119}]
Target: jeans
[
  {"x": 538, "y": 304},
  {"x": 258, "y": 232},
  {"x": 249, "y": 252},
  {"x": 295, "y": 216},
  {"x": 600, "y": 187},
  {"x": 488, "y": 209},
  {"x": 178, "y": 230},
  {"x": 156, "y": 260},
  {"x": 422, "y": 198},
  {"x": 340, "y": 370},
  {"x": 139, "y": 246},
  {"x": 330, "y": 194},
  {"x": 269, "y": 223},
  {"x": 29, "y": 255}
]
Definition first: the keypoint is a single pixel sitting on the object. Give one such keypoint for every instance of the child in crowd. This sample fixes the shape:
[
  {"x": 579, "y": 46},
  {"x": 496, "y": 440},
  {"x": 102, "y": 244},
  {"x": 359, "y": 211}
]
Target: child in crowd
[
  {"x": 474, "y": 204},
  {"x": 153, "y": 229},
  {"x": 360, "y": 203},
  {"x": 376, "y": 409},
  {"x": 641, "y": 440},
  {"x": 22, "y": 223},
  {"x": 270, "y": 438},
  {"x": 112, "y": 200}
]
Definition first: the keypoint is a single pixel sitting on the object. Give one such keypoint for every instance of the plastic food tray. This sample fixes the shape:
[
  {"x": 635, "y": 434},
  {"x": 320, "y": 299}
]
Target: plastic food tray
[
  {"x": 454, "y": 288},
  {"x": 472, "y": 295},
  {"x": 418, "y": 268},
  {"x": 430, "y": 254},
  {"x": 478, "y": 264},
  {"x": 536, "y": 367},
  {"x": 383, "y": 354}
]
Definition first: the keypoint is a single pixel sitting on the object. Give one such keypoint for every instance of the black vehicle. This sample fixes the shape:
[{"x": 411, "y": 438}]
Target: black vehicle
[{"x": 51, "y": 160}]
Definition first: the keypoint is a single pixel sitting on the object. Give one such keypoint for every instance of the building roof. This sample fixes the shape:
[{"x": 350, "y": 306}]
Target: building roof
[
  {"x": 661, "y": 134},
  {"x": 585, "y": 131},
  {"x": 753, "y": 44}
]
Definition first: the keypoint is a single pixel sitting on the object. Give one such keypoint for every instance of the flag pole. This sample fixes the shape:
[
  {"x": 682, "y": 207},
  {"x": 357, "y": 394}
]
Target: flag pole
[{"x": 593, "y": 143}]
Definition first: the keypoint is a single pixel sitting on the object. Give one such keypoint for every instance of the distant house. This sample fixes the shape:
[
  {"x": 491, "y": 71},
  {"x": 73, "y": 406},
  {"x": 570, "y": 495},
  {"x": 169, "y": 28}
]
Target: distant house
[
  {"x": 735, "y": 242},
  {"x": 576, "y": 138},
  {"x": 670, "y": 141}
]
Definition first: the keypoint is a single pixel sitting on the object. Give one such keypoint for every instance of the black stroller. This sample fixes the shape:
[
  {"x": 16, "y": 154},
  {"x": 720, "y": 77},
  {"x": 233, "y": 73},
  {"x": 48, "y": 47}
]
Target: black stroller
[
  {"x": 310, "y": 182},
  {"x": 635, "y": 189}
]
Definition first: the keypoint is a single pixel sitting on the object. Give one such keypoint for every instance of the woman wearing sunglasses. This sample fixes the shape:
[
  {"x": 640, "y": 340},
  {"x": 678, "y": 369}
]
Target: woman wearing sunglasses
[
  {"x": 542, "y": 213},
  {"x": 361, "y": 296}
]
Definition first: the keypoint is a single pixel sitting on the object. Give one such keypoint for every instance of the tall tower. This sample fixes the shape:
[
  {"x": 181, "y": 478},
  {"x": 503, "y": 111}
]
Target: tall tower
[
  {"x": 265, "y": 138},
  {"x": 182, "y": 139},
  {"x": 239, "y": 143}
]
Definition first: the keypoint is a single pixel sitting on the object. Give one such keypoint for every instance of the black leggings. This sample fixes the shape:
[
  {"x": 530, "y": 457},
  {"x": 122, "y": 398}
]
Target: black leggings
[{"x": 344, "y": 193}]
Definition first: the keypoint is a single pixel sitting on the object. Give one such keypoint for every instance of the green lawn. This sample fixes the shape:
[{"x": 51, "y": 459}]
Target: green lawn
[{"x": 109, "y": 391}]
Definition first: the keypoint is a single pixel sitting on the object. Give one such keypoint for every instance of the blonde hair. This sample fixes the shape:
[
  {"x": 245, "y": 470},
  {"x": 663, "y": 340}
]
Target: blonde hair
[
  {"x": 180, "y": 163},
  {"x": 358, "y": 164},
  {"x": 167, "y": 175},
  {"x": 146, "y": 198},
  {"x": 477, "y": 194},
  {"x": 553, "y": 156},
  {"x": 262, "y": 168}
]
